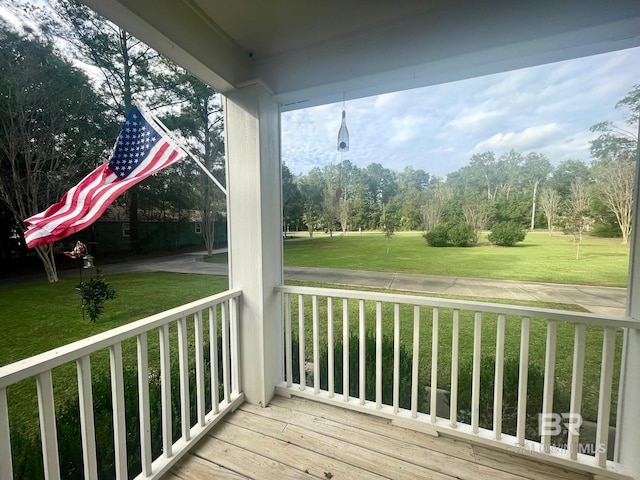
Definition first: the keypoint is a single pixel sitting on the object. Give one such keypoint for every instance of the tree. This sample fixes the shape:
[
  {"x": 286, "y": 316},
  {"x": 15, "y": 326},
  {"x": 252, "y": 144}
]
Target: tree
[
  {"x": 536, "y": 169},
  {"x": 482, "y": 169},
  {"x": 550, "y": 204},
  {"x": 330, "y": 209},
  {"x": 438, "y": 197},
  {"x": 565, "y": 173},
  {"x": 291, "y": 199},
  {"x": 344, "y": 213},
  {"x": 311, "y": 188},
  {"x": 411, "y": 185},
  {"x": 616, "y": 150},
  {"x": 127, "y": 66},
  {"x": 615, "y": 179},
  {"x": 612, "y": 141},
  {"x": 200, "y": 122},
  {"x": 509, "y": 171},
  {"x": 577, "y": 220},
  {"x": 388, "y": 226},
  {"x": 52, "y": 129},
  {"x": 477, "y": 213}
]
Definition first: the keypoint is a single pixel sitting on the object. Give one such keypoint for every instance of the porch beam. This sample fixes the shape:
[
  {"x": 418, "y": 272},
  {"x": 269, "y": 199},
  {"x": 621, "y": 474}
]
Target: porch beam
[{"x": 252, "y": 131}]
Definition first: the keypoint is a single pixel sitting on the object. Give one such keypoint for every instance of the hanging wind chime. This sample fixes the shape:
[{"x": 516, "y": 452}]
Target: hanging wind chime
[
  {"x": 343, "y": 133},
  {"x": 343, "y": 142}
]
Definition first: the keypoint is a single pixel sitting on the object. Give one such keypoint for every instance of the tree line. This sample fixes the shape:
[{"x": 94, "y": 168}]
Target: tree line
[
  {"x": 525, "y": 189},
  {"x": 68, "y": 78}
]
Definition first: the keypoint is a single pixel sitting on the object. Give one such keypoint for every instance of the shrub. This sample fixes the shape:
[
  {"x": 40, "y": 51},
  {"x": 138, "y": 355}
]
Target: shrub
[
  {"x": 94, "y": 293},
  {"x": 535, "y": 390},
  {"x": 438, "y": 237},
  {"x": 26, "y": 450},
  {"x": 461, "y": 235},
  {"x": 451, "y": 234},
  {"x": 405, "y": 370},
  {"x": 507, "y": 234}
]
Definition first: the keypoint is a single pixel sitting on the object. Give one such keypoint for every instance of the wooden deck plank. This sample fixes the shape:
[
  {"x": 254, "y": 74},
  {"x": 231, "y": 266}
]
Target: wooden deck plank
[
  {"x": 244, "y": 462},
  {"x": 344, "y": 451},
  {"x": 171, "y": 476},
  {"x": 289, "y": 453},
  {"x": 379, "y": 425},
  {"x": 298, "y": 438},
  {"x": 499, "y": 460},
  {"x": 511, "y": 462},
  {"x": 380, "y": 444},
  {"x": 193, "y": 467}
]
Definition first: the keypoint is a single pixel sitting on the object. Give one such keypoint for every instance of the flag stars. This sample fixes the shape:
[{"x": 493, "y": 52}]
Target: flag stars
[{"x": 136, "y": 140}]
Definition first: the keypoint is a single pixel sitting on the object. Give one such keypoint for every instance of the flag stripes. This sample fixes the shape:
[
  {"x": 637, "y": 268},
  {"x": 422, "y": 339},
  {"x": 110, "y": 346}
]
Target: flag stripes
[{"x": 85, "y": 202}]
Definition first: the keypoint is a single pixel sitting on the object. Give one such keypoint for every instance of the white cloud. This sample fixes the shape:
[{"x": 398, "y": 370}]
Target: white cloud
[
  {"x": 473, "y": 120},
  {"x": 405, "y": 128},
  {"x": 547, "y": 109},
  {"x": 525, "y": 140}
]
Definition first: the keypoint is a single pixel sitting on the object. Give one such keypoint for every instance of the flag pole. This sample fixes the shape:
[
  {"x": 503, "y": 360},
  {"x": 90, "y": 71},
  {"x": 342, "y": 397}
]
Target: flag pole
[{"x": 202, "y": 166}]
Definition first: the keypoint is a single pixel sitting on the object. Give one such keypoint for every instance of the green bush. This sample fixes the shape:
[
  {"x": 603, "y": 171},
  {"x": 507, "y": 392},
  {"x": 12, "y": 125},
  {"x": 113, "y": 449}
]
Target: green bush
[
  {"x": 511, "y": 372},
  {"x": 94, "y": 293},
  {"x": 26, "y": 450},
  {"x": 451, "y": 234},
  {"x": 461, "y": 235},
  {"x": 605, "y": 230},
  {"x": 405, "y": 369},
  {"x": 438, "y": 237},
  {"x": 507, "y": 234}
]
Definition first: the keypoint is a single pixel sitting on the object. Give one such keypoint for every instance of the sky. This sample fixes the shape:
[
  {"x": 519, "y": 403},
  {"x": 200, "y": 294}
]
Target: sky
[{"x": 546, "y": 109}]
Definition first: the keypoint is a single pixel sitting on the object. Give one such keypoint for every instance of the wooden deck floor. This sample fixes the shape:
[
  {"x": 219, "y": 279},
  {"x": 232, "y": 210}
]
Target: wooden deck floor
[{"x": 296, "y": 438}]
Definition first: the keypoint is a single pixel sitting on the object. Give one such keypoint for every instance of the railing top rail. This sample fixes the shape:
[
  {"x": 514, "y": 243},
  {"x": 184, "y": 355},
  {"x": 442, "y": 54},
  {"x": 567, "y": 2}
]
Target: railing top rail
[
  {"x": 550, "y": 314},
  {"x": 29, "y": 367}
]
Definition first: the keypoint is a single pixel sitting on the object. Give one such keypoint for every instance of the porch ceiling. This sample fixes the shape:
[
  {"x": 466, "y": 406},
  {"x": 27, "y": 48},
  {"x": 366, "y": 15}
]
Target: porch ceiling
[{"x": 309, "y": 53}]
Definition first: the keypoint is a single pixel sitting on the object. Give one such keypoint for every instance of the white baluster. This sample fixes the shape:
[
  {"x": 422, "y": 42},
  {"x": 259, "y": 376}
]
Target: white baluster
[
  {"x": 143, "y": 404},
  {"x": 330, "y": 352},
  {"x": 455, "y": 334},
  {"x": 183, "y": 356},
  {"x": 416, "y": 361},
  {"x": 522, "y": 381},
  {"x": 475, "y": 386},
  {"x": 434, "y": 366},
  {"x": 48, "y": 432},
  {"x": 117, "y": 400},
  {"x": 604, "y": 401},
  {"x": 165, "y": 391},
  {"x": 87, "y": 425},
  {"x": 498, "y": 380}
]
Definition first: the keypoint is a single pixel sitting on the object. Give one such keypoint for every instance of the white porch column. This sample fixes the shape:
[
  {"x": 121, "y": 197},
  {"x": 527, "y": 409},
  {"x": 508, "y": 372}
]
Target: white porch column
[
  {"x": 252, "y": 130},
  {"x": 628, "y": 419}
]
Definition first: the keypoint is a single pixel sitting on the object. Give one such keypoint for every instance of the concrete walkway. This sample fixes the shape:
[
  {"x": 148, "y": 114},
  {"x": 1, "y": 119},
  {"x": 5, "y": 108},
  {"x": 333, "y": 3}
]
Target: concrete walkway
[{"x": 602, "y": 300}]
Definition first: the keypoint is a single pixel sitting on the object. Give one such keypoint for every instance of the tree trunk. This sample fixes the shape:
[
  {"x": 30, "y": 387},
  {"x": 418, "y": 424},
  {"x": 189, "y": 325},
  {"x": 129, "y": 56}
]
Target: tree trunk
[
  {"x": 533, "y": 203},
  {"x": 45, "y": 253}
]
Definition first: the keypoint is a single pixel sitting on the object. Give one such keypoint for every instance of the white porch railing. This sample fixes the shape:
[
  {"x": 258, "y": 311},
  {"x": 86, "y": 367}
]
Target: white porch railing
[
  {"x": 222, "y": 313},
  {"x": 424, "y": 326}
]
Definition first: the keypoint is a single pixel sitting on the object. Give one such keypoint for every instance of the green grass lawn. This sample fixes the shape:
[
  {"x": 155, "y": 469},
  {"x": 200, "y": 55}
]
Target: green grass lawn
[
  {"x": 540, "y": 258},
  {"x": 38, "y": 317}
]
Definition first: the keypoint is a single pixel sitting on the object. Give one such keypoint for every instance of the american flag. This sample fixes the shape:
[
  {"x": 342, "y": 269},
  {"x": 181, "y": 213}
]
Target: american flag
[{"x": 141, "y": 150}]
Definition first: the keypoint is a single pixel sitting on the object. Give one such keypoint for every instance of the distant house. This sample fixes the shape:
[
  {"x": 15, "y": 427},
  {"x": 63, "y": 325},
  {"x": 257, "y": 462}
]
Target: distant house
[{"x": 159, "y": 230}]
